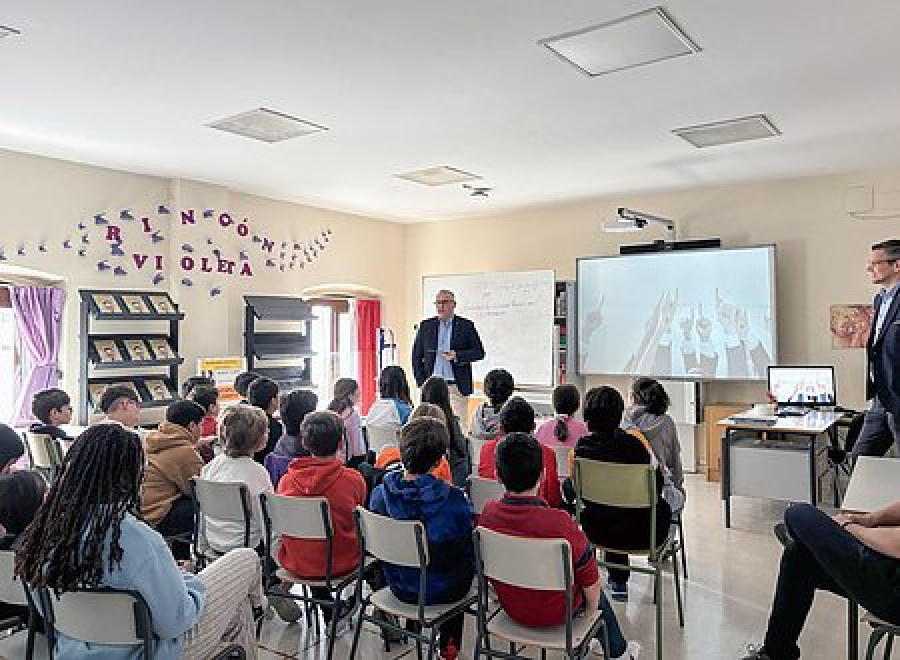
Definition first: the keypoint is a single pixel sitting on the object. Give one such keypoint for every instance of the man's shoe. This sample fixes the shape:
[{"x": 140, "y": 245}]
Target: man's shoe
[
  {"x": 754, "y": 652},
  {"x": 619, "y": 591},
  {"x": 784, "y": 536}
]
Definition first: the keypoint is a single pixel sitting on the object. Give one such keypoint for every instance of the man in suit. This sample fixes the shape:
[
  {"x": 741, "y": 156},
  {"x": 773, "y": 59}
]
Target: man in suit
[
  {"x": 446, "y": 345},
  {"x": 882, "y": 420}
]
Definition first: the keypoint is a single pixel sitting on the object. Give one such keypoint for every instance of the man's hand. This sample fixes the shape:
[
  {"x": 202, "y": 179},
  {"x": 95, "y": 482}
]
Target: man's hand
[
  {"x": 450, "y": 355},
  {"x": 862, "y": 519}
]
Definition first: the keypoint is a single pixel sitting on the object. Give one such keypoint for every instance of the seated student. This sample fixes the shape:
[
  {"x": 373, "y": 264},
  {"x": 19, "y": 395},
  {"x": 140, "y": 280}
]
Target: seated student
[
  {"x": 394, "y": 404},
  {"x": 563, "y": 430},
  {"x": 498, "y": 387},
  {"x": 242, "y": 381},
  {"x": 517, "y": 416},
  {"x": 85, "y": 535},
  {"x": 446, "y": 513},
  {"x": 346, "y": 398},
  {"x": 853, "y": 555},
  {"x": 263, "y": 393},
  {"x": 322, "y": 474},
  {"x": 11, "y": 448},
  {"x": 436, "y": 391},
  {"x": 53, "y": 408},
  {"x": 121, "y": 405},
  {"x": 647, "y": 413},
  {"x": 609, "y": 526},
  {"x": 21, "y": 494},
  {"x": 207, "y": 397},
  {"x": 294, "y": 407},
  {"x": 187, "y": 387},
  {"x": 172, "y": 461},
  {"x": 390, "y": 458},
  {"x": 523, "y": 513}
]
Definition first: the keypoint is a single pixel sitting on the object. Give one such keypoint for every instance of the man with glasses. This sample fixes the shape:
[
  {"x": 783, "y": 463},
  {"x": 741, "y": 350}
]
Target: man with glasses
[
  {"x": 446, "y": 345},
  {"x": 882, "y": 420}
]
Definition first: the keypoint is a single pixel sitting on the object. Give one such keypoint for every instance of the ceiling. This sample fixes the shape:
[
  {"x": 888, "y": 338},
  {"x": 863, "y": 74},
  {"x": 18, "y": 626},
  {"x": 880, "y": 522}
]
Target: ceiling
[{"x": 406, "y": 84}]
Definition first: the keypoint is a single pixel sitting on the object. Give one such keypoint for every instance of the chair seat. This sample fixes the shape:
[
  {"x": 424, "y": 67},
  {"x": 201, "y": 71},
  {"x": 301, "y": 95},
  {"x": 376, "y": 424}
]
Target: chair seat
[
  {"x": 287, "y": 576},
  {"x": 14, "y": 646},
  {"x": 553, "y": 637},
  {"x": 874, "y": 621},
  {"x": 664, "y": 548},
  {"x": 385, "y": 600}
]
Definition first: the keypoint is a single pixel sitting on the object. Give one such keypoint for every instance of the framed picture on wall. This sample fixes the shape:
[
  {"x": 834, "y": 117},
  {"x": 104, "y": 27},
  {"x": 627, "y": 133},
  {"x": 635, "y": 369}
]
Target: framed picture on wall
[
  {"x": 107, "y": 350},
  {"x": 135, "y": 304},
  {"x": 137, "y": 350},
  {"x": 850, "y": 325},
  {"x": 161, "y": 304},
  {"x": 161, "y": 349},
  {"x": 158, "y": 389},
  {"x": 106, "y": 303},
  {"x": 96, "y": 393}
]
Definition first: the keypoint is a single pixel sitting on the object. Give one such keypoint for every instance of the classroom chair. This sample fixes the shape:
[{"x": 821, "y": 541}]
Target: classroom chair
[
  {"x": 379, "y": 436},
  {"x": 481, "y": 491},
  {"x": 22, "y": 639},
  {"x": 880, "y": 630},
  {"x": 838, "y": 457},
  {"x": 45, "y": 454},
  {"x": 108, "y": 616},
  {"x": 633, "y": 487},
  {"x": 402, "y": 543},
  {"x": 303, "y": 518},
  {"x": 222, "y": 501},
  {"x": 562, "y": 461},
  {"x": 544, "y": 564}
]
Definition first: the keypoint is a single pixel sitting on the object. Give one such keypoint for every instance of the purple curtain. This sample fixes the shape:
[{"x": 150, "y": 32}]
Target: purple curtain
[{"x": 38, "y": 311}]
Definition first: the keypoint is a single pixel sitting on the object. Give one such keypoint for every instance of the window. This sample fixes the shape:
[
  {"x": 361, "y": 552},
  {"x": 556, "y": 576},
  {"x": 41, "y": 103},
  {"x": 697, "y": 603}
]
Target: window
[
  {"x": 332, "y": 340},
  {"x": 8, "y": 386}
]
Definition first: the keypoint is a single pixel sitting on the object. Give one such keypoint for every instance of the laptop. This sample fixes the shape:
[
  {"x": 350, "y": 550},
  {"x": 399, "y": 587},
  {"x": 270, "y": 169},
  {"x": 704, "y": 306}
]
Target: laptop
[{"x": 797, "y": 389}]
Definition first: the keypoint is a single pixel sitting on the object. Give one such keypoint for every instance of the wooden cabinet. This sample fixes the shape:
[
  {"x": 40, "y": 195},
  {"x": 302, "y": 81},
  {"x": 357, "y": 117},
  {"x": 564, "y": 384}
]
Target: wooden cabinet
[{"x": 712, "y": 413}]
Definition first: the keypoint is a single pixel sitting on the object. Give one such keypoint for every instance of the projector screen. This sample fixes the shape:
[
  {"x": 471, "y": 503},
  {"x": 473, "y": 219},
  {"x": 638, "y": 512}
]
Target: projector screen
[{"x": 698, "y": 314}]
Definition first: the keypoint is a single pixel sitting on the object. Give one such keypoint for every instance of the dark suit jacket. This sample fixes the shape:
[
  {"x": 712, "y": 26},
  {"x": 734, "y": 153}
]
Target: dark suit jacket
[
  {"x": 464, "y": 340},
  {"x": 883, "y": 373}
]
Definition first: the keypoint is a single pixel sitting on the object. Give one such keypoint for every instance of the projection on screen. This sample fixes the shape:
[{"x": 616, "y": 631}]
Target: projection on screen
[{"x": 702, "y": 314}]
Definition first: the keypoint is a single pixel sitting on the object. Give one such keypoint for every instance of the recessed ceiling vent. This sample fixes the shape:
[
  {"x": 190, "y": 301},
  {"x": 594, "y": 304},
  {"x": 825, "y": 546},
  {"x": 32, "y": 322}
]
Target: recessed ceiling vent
[
  {"x": 441, "y": 175},
  {"x": 729, "y": 131},
  {"x": 642, "y": 38},
  {"x": 8, "y": 31},
  {"x": 266, "y": 125}
]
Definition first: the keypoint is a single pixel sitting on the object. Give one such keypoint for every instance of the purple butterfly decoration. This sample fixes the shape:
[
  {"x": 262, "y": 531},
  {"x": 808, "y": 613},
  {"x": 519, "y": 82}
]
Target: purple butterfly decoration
[
  {"x": 116, "y": 250},
  {"x": 186, "y": 282},
  {"x": 103, "y": 265},
  {"x": 120, "y": 271},
  {"x": 208, "y": 213},
  {"x": 214, "y": 292},
  {"x": 158, "y": 278},
  {"x": 100, "y": 219},
  {"x": 125, "y": 214},
  {"x": 162, "y": 209},
  {"x": 157, "y": 237}
]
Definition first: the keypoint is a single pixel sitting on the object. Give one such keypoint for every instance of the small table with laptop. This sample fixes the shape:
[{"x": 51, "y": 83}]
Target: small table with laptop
[{"x": 769, "y": 451}]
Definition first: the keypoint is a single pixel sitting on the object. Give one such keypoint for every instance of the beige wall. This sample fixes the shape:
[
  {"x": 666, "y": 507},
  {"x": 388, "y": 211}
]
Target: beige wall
[
  {"x": 821, "y": 253},
  {"x": 45, "y": 199}
]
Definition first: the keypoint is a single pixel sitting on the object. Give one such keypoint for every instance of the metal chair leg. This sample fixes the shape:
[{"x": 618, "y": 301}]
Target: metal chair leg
[
  {"x": 683, "y": 546},
  {"x": 677, "y": 587},
  {"x": 657, "y": 599}
]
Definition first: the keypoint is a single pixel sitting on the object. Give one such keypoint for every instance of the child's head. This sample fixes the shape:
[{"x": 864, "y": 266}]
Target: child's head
[
  {"x": 392, "y": 384},
  {"x": 649, "y": 393},
  {"x": 120, "y": 403},
  {"x": 207, "y": 397},
  {"x": 346, "y": 395},
  {"x": 52, "y": 406},
  {"x": 566, "y": 399},
  {"x": 193, "y": 381},
  {"x": 263, "y": 393},
  {"x": 603, "y": 407},
  {"x": 517, "y": 416},
  {"x": 429, "y": 410},
  {"x": 435, "y": 390},
  {"x": 11, "y": 448},
  {"x": 423, "y": 442},
  {"x": 243, "y": 429},
  {"x": 498, "y": 387},
  {"x": 242, "y": 382},
  {"x": 323, "y": 433},
  {"x": 188, "y": 415},
  {"x": 520, "y": 462},
  {"x": 294, "y": 407}
]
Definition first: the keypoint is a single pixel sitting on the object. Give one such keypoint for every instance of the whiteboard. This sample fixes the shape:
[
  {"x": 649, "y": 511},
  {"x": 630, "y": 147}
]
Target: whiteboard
[{"x": 513, "y": 313}]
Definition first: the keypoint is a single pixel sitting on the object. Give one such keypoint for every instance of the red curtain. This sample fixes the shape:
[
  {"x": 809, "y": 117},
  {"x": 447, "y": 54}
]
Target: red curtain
[{"x": 368, "y": 320}]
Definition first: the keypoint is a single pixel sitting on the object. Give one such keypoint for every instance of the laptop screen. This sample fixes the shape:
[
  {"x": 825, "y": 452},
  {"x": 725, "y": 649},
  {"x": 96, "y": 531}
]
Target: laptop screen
[{"x": 803, "y": 386}]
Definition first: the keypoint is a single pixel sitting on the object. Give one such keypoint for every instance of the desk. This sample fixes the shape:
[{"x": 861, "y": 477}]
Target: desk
[
  {"x": 874, "y": 484},
  {"x": 765, "y": 465}
]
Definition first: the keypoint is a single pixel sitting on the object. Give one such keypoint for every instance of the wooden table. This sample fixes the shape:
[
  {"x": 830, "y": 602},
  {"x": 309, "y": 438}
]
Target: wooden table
[{"x": 767, "y": 459}]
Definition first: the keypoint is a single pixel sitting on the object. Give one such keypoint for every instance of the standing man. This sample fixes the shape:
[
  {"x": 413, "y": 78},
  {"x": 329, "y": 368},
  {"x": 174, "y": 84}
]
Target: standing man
[
  {"x": 446, "y": 345},
  {"x": 882, "y": 421}
]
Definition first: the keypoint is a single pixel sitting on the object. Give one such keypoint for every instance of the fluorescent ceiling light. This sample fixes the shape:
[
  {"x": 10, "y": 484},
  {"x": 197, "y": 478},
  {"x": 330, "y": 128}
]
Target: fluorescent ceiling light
[
  {"x": 729, "y": 131},
  {"x": 6, "y": 31},
  {"x": 641, "y": 38},
  {"x": 617, "y": 226},
  {"x": 438, "y": 176},
  {"x": 266, "y": 125}
]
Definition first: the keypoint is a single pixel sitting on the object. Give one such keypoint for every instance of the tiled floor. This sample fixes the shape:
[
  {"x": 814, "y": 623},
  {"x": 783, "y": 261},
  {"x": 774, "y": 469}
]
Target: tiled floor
[{"x": 726, "y": 599}]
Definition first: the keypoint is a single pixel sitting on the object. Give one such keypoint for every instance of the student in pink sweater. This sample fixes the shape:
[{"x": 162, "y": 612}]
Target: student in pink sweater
[{"x": 563, "y": 430}]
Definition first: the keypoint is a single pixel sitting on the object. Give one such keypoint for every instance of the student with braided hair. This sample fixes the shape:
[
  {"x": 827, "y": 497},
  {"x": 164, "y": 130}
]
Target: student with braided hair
[{"x": 86, "y": 535}]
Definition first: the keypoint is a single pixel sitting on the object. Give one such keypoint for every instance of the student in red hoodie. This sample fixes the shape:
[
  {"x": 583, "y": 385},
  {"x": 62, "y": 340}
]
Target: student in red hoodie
[
  {"x": 517, "y": 416},
  {"x": 323, "y": 475}
]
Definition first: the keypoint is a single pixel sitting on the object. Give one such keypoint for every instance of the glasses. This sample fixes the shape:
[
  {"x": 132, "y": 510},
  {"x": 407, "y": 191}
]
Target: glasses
[
  {"x": 875, "y": 262},
  {"x": 444, "y": 302}
]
